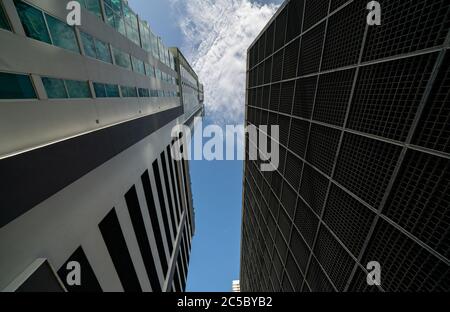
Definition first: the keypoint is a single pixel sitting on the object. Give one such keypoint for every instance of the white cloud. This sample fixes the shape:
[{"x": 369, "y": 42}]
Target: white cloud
[{"x": 218, "y": 34}]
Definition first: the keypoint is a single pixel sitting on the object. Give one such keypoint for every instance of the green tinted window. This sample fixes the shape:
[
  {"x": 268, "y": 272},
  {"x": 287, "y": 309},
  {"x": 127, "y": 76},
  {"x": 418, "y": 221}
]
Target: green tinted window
[
  {"x": 3, "y": 20},
  {"x": 55, "y": 88},
  {"x": 122, "y": 59},
  {"x": 94, "y": 7},
  {"x": 128, "y": 91},
  {"x": 88, "y": 45},
  {"x": 13, "y": 86},
  {"x": 78, "y": 89},
  {"x": 138, "y": 65},
  {"x": 33, "y": 22},
  {"x": 62, "y": 34},
  {"x": 99, "y": 89},
  {"x": 103, "y": 52},
  {"x": 143, "y": 92},
  {"x": 112, "y": 90}
]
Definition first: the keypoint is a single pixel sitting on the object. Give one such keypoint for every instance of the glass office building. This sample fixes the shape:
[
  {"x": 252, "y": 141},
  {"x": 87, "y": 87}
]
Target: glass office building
[
  {"x": 88, "y": 180},
  {"x": 364, "y": 171}
]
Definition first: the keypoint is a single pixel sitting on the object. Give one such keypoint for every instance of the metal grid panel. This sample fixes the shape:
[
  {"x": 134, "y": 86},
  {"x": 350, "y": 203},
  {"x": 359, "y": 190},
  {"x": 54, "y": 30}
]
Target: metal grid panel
[
  {"x": 348, "y": 219},
  {"x": 388, "y": 94},
  {"x": 291, "y": 60},
  {"x": 287, "y": 95},
  {"x": 267, "y": 70},
  {"x": 420, "y": 200},
  {"x": 434, "y": 127},
  {"x": 316, "y": 278},
  {"x": 405, "y": 264},
  {"x": 299, "y": 249},
  {"x": 336, "y": 4},
  {"x": 295, "y": 17},
  {"x": 295, "y": 275},
  {"x": 276, "y": 70},
  {"x": 365, "y": 167},
  {"x": 313, "y": 188},
  {"x": 288, "y": 199},
  {"x": 275, "y": 97},
  {"x": 306, "y": 221},
  {"x": 322, "y": 147},
  {"x": 334, "y": 259},
  {"x": 305, "y": 89},
  {"x": 311, "y": 50},
  {"x": 333, "y": 96},
  {"x": 280, "y": 29},
  {"x": 299, "y": 136},
  {"x": 269, "y": 40},
  {"x": 408, "y": 26},
  {"x": 315, "y": 10},
  {"x": 344, "y": 36},
  {"x": 293, "y": 170}
]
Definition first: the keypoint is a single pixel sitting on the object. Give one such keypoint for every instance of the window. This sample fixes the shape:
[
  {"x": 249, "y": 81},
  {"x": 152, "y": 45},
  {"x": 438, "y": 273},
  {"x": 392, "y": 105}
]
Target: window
[
  {"x": 3, "y": 20},
  {"x": 114, "y": 16},
  {"x": 62, "y": 89},
  {"x": 106, "y": 90},
  {"x": 103, "y": 52},
  {"x": 131, "y": 22},
  {"x": 55, "y": 88},
  {"x": 122, "y": 59},
  {"x": 95, "y": 48},
  {"x": 93, "y": 6},
  {"x": 14, "y": 86},
  {"x": 144, "y": 92},
  {"x": 138, "y": 65},
  {"x": 100, "y": 90},
  {"x": 88, "y": 45},
  {"x": 128, "y": 91},
  {"x": 63, "y": 35},
  {"x": 33, "y": 22},
  {"x": 112, "y": 90},
  {"x": 150, "y": 70}
]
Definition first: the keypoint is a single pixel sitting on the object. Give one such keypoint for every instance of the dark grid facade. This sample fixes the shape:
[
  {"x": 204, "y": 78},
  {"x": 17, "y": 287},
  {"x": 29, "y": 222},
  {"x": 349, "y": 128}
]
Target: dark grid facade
[{"x": 364, "y": 174}]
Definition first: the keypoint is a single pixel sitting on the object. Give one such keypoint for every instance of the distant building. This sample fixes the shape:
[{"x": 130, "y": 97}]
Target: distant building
[
  {"x": 87, "y": 177},
  {"x": 236, "y": 287}
]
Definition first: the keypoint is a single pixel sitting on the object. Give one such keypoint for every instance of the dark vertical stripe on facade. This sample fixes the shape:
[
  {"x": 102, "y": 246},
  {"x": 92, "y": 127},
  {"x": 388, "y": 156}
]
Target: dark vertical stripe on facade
[
  {"x": 118, "y": 250},
  {"x": 145, "y": 178},
  {"x": 134, "y": 209},
  {"x": 162, "y": 204}
]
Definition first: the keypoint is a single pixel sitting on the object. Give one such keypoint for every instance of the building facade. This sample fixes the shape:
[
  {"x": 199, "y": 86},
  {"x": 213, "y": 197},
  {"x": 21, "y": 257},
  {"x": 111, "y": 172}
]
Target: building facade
[
  {"x": 364, "y": 140},
  {"x": 91, "y": 198}
]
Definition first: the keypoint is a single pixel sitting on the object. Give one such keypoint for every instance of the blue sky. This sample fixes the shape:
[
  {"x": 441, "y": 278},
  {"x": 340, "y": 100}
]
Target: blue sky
[{"x": 214, "y": 35}]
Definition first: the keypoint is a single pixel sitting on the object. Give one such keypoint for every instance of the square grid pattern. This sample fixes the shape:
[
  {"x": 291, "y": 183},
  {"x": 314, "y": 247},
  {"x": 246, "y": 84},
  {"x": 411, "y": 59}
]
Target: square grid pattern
[{"x": 365, "y": 149}]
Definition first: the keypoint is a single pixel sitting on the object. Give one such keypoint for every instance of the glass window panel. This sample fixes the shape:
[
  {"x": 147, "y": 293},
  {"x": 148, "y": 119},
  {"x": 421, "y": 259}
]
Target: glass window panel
[
  {"x": 62, "y": 34},
  {"x": 138, "y": 65},
  {"x": 112, "y": 90},
  {"x": 122, "y": 59},
  {"x": 124, "y": 91},
  {"x": 55, "y": 88},
  {"x": 99, "y": 89},
  {"x": 33, "y": 22},
  {"x": 78, "y": 89},
  {"x": 94, "y": 7},
  {"x": 3, "y": 20},
  {"x": 14, "y": 86},
  {"x": 132, "y": 92},
  {"x": 88, "y": 45},
  {"x": 103, "y": 52}
]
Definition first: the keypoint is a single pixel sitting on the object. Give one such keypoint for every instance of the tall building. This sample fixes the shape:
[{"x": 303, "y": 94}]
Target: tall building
[
  {"x": 91, "y": 198},
  {"x": 364, "y": 174}
]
